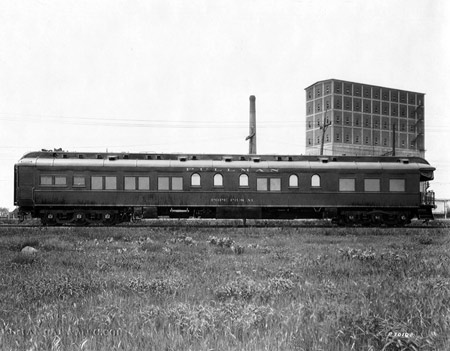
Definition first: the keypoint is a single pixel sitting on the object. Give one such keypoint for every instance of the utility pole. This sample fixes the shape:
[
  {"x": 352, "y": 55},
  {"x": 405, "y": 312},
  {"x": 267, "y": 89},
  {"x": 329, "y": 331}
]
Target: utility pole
[
  {"x": 324, "y": 127},
  {"x": 393, "y": 139}
]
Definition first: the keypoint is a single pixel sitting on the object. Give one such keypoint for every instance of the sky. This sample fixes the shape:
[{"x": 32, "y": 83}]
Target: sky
[{"x": 176, "y": 76}]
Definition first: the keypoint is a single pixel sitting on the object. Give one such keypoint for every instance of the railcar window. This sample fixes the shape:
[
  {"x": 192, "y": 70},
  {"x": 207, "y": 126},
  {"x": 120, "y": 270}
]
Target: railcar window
[
  {"x": 243, "y": 180},
  {"x": 397, "y": 185},
  {"x": 79, "y": 181},
  {"x": 130, "y": 183},
  {"x": 346, "y": 184},
  {"x": 195, "y": 179},
  {"x": 96, "y": 183},
  {"x": 218, "y": 180},
  {"x": 293, "y": 181},
  {"x": 144, "y": 183},
  {"x": 372, "y": 185},
  {"x": 275, "y": 184},
  {"x": 163, "y": 183},
  {"x": 59, "y": 180},
  {"x": 46, "y": 180},
  {"x": 177, "y": 183},
  {"x": 261, "y": 184},
  {"x": 315, "y": 180},
  {"x": 110, "y": 183}
]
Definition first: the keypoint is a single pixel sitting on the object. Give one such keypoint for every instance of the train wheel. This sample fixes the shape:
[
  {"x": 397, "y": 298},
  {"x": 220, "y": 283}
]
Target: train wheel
[
  {"x": 376, "y": 219},
  {"x": 109, "y": 219},
  {"x": 48, "y": 219},
  {"x": 79, "y": 218}
]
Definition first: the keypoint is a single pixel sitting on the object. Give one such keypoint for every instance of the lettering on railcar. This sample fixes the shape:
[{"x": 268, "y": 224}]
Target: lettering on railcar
[
  {"x": 241, "y": 170},
  {"x": 233, "y": 200}
]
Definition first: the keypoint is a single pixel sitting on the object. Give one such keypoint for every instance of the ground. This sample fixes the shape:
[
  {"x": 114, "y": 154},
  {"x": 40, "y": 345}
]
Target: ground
[{"x": 225, "y": 289}]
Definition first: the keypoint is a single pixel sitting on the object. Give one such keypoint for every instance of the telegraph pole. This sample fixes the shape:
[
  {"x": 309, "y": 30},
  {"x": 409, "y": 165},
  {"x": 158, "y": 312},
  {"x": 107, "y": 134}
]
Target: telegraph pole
[
  {"x": 393, "y": 139},
  {"x": 324, "y": 127}
]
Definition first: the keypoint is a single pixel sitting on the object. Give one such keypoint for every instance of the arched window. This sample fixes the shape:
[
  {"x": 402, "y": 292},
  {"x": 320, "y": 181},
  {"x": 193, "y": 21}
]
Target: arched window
[
  {"x": 218, "y": 179},
  {"x": 293, "y": 181},
  {"x": 315, "y": 180},
  {"x": 243, "y": 180},
  {"x": 195, "y": 179}
]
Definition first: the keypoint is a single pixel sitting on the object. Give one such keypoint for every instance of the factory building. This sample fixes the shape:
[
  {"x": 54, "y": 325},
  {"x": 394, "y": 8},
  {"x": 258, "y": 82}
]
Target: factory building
[{"x": 347, "y": 118}]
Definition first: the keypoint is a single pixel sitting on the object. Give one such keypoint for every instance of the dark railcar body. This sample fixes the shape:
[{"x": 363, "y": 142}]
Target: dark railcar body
[{"x": 101, "y": 188}]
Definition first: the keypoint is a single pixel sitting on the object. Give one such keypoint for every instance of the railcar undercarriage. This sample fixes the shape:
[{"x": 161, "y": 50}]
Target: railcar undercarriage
[{"x": 340, "y": 217}]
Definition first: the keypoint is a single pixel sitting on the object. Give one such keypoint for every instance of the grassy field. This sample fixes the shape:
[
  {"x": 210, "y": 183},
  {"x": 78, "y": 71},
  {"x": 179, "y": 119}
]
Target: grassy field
[{"x": 225, "y": 289}]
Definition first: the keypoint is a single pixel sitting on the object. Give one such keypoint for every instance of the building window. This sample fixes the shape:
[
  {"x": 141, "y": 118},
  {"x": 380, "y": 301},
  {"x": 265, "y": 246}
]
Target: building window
[
  {"x": 243, "y": 180},
  {"x": 376, "y": 140},
  {"x": 195, "y": 179},
  {"x": 385, "y": 142},
  {"x": 367, "y": 140},
  {"x": 372, "y": 185},
  {"x": 293, "y": 181},
  {"x": 315, "y": 180},
  {"x": 337, "y": 136},
  {"x": 218, "y": 180},
  {"x": 397, "y": 185},
  {"x": 347, "y": 138},
  {"x": 347, "y": 184},
  {"x": 356, "y": 139}
]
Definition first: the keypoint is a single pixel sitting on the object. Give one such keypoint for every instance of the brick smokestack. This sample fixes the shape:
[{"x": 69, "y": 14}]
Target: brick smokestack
[{"x": 252, "y": 127}]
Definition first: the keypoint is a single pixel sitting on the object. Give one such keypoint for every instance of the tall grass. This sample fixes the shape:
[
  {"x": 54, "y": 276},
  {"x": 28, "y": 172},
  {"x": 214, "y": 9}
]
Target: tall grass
[{"x": 225, "y": 289}]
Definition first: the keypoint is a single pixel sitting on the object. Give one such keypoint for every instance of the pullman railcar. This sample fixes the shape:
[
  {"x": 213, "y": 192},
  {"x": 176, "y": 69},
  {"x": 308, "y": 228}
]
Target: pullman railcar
[{"x": 88, "y": 188}]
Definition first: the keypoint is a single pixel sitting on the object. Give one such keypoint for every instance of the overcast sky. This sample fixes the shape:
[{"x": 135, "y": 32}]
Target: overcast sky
[{"x": 176, "y": 76}]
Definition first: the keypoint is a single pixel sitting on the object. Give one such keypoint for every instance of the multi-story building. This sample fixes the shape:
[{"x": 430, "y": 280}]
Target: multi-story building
[{"x": 347, "y": 118}]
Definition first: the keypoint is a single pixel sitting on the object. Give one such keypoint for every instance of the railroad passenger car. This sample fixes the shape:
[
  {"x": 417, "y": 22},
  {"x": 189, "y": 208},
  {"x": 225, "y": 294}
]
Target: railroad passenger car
[{"x": 101, "y": 188}]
